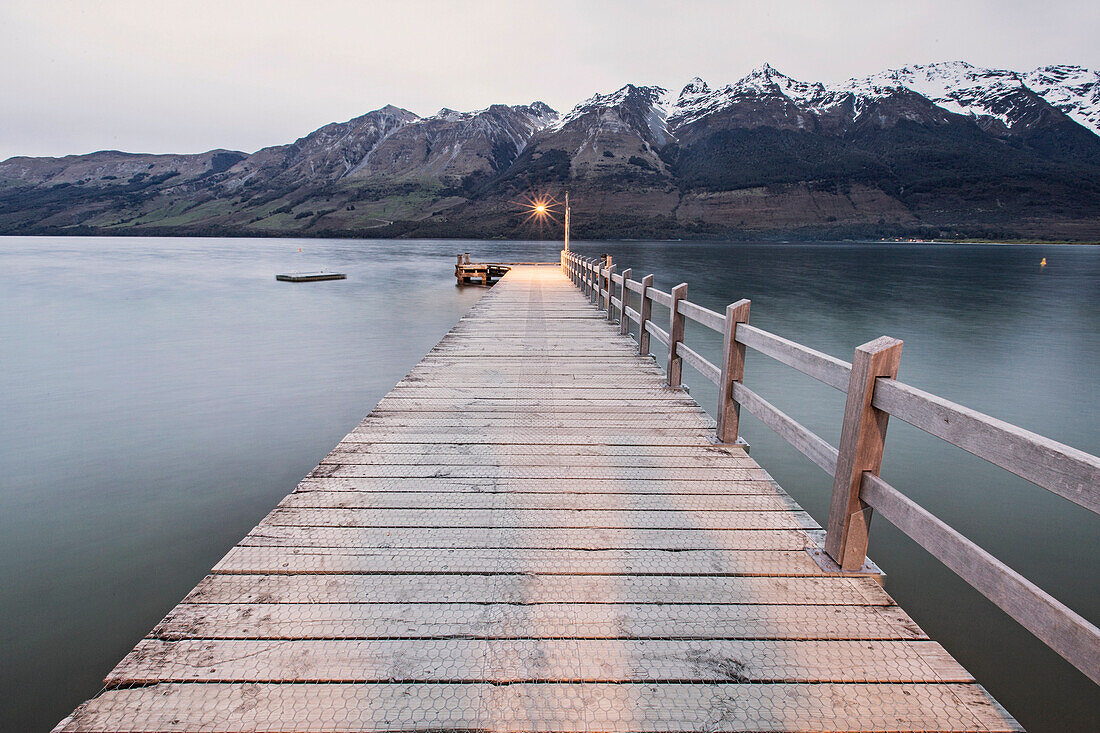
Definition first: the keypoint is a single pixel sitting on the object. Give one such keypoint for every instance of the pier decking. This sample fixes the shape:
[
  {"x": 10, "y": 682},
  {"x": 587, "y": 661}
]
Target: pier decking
[{"x": 533, "y": 531}]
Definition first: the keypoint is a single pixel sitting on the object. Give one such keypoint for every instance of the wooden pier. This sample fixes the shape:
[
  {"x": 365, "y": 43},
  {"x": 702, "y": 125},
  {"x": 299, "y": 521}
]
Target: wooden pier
[{"x": 535, "y": 530}]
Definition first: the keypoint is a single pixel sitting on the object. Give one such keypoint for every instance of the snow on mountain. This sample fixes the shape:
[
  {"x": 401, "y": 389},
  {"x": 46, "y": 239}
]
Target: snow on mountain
[
  {"x": 998, "y": 99},
  {"x": 958, "y": 87},
  {"x": 1002, "y": 96},
  {"x": 1072, "y": 89},
  {"x": 764, "y": 82}
]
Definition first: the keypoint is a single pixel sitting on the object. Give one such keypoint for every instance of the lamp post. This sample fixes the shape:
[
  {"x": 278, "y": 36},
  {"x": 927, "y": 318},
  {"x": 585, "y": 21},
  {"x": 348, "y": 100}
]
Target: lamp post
[{"x": 566, "y": 221}]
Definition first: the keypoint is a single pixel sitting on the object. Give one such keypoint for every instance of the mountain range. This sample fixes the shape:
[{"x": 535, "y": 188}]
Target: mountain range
[{"x": 943, "y": 150}]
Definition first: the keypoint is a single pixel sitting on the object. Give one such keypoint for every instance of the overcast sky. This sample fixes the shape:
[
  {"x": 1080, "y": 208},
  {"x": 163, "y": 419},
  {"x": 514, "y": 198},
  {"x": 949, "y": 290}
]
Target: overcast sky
[{"x": 165, "y": 76}]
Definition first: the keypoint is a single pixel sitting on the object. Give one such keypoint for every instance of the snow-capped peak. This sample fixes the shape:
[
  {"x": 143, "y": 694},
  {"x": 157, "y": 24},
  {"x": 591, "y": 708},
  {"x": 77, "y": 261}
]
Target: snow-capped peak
[
  {"x": 1072, "y": 89},
  {"x": 694, "y": 87},
  {"x": 999, "y": 100},
  {"x": 956, "y": 86},
  {"x": 649, "y": 95}
]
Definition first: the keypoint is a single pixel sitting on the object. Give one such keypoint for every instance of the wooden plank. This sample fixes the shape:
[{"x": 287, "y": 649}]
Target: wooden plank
[
  {"x": 524, "y": 660},
  {"x": 357, "y": 561},
  {"x": 814, "y": 591},
  {"x": 553, "y": 473},
  {"x": 822, "y": 367},
  {"x": 703, "y": 316},
  {"x": 569, "y": 420},
  {"x": 622, "y": 460},
  {"x": 1066, "y": 471},
  {"x": 533, "y": 501},
  {"x": 271, "y": 535},
  {"x": 659, "y": 296},
  {"x": 807, "y": 442},
  {"x": 564, "y": 708},
  {"x": 760, "y": 484},
  {"x": 532, "y": 621},
  {"x": 667, "y": 455},
  {"x": 486, "y": 436},
  {"x": 704, "y": 367},
  {"x": 660, "y": 333},
  {"x": 574, "y": 518}
]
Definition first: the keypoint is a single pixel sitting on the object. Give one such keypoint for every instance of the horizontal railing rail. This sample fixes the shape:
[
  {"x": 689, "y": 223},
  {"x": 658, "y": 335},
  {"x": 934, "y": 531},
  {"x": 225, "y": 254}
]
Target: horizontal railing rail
[{"x": 873, "y": 396}]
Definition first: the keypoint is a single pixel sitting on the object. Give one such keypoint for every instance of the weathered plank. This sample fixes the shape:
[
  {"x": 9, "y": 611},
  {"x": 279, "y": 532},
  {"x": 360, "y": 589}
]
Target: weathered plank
[
  {"x": 520, "y": 588},
  {"x": 329, "y": 561},
  {"x": 533, "y": 621},
  {"x": 528, "y": 660},
  {"x": 547, "y": 538},
  {"x": 1059, "y": 468},
  {"x": 565, "y": 708},
  {"x": 516, "y": 518},
  {"x": 543, "y": 501}
]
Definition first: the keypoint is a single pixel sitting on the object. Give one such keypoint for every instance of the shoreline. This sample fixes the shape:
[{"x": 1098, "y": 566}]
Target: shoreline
[{"x": 727, "y": 240}]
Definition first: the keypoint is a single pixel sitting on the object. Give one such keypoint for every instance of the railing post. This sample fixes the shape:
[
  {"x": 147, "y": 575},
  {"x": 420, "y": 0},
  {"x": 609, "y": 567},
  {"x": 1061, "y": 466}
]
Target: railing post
[
  {"x": 607, "y": 277},
  {"x": 591, "y": 277},
  {"x": 624, "y": 322},
  {"x": 602, "y": 274},
  {"x": 645, "y": 309},
  {"x": 733, "y": 370},
  {"x": 610, "y": 283},
  {"x": 675, "y": 335},
  {"x": 862, "y": 439}
]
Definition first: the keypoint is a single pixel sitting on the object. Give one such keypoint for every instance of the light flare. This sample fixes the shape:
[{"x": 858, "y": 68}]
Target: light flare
[{"x": 541, "y": 208}]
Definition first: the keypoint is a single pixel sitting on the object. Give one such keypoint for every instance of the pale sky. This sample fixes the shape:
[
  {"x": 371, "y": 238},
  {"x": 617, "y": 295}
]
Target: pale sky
[{"x": 167, "y": 76}]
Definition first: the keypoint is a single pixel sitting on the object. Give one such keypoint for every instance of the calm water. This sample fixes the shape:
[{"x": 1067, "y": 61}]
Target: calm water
[{"x": 159, "y": 396}]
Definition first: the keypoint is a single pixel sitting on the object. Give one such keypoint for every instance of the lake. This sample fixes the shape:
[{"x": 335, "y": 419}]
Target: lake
[{"x": 159, "y": 396}]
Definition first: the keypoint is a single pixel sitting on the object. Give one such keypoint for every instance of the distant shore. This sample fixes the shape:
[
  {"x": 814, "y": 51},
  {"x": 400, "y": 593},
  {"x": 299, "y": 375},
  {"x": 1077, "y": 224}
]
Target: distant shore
[{"x": 731, "y": 237}]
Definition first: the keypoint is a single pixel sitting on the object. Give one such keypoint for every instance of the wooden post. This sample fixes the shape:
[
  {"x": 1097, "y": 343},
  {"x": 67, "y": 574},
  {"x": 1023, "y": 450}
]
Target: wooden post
[
  {"x": 607, "y": 277},
  {"x": 624, "y": 322},
  {"x": 645, "y": 308},
  {"x": 610, "y": 284},
  {"x": 591, "y": 277},
  {"x": 733, "y": 370},
  {"x": 862, "y": 438},
  {"x": 467, "y": 257},
  {"x": 675, "y": 335}
]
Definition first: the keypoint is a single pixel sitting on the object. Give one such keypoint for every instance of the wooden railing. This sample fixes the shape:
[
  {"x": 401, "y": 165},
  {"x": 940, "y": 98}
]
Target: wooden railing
[{"x": 873, "y": 396}]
